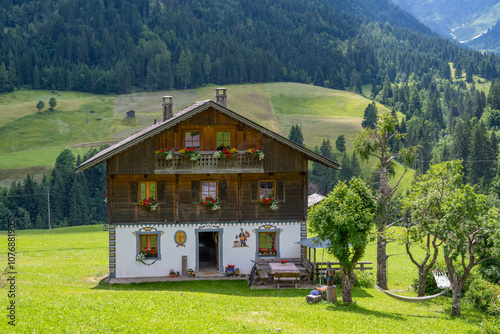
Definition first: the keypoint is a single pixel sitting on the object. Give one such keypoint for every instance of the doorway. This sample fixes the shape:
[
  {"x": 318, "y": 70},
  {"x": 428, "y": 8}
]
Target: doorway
[{"x": 208, "y": 251}]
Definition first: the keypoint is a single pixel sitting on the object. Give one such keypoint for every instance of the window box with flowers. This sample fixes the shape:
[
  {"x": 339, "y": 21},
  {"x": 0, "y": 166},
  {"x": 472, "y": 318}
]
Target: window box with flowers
[
  {"x": 269, "y": 202},
  {"x": 267, "y": 251},
  {"x": 164, "y": 153},
  {"x": 225, "y": 151},
  {"x": 211, "y": 202},
  {"x": 256, "y": 152},
  {"x": 148, "y": 204},
  {"x": 191, "y": 153}
]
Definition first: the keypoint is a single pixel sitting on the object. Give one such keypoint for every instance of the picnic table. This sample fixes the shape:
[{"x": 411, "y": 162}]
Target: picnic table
[
  {"x": 286, "y": 268},
  {"x": 287, "y": 272}
]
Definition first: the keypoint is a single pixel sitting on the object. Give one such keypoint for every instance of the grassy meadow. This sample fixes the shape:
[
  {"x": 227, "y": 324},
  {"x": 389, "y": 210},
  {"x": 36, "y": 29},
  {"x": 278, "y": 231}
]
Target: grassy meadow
[
  {"x": 31, "y": 141},
  {"x": 59, "y": 290}
]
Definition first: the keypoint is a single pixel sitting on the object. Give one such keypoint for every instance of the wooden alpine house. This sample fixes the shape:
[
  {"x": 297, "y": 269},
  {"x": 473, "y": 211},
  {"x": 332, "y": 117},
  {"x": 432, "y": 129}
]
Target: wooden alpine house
[{"x": 202, "y": 189}]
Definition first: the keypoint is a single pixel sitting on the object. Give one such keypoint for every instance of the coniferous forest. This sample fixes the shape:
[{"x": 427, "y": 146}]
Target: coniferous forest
[{"x": 118, "y": 46}]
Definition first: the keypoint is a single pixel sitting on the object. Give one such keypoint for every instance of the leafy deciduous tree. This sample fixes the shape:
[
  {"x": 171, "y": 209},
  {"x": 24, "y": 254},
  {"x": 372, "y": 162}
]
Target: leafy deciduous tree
[
  {"x": 450, "y": 209},
  {"x": 345, "y": 218}
]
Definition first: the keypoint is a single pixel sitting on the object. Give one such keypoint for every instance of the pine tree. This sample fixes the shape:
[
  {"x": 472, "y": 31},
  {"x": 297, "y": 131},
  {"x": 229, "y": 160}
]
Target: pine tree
[
  {"x": 480, "y": 164},
  {"x": 340, "y": 143},
  {"x": 346, "y": 172},
  {"x": 296, "y": 135},
  {"x": 374, "y": 90},
  {"x": 415, "y": 106},
  {"x": 370, "y": 116},
  {"x": 355, "y": 165},
  {"x": 458, "y": 71}
]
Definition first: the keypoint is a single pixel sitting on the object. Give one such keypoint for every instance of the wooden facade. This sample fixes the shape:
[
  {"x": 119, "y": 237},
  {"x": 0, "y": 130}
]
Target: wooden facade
[
  {"x": 179, "y": 184},
  {"x": 240, "y": 172}
]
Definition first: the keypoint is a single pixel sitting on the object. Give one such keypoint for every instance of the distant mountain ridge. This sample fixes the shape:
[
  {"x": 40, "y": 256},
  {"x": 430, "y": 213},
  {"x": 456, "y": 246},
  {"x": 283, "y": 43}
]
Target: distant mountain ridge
[
  {"x": 463, "y": 20},
  {"x": 118, "y": 46}
]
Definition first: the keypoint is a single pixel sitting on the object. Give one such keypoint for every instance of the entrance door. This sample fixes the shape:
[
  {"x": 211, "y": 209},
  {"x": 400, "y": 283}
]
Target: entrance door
[{"x": 208, "y": 251}]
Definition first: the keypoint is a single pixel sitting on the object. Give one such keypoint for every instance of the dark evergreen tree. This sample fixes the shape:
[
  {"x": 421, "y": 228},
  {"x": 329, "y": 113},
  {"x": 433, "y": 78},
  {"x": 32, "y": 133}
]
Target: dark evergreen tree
[
  {"x": 481, "y": 161},
  {"x": 370, "y": 116},
  {"x": 458, "y": 71},
  {"x": 296, "y": 135},
  {"x": 346, "y": 171},
  {"x": 340, "y": 143}
]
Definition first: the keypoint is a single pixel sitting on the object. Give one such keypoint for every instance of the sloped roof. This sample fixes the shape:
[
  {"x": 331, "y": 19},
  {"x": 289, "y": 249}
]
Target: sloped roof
[
  {"x": 314, "y": 199},
  {"x": 185, "y": 114}
]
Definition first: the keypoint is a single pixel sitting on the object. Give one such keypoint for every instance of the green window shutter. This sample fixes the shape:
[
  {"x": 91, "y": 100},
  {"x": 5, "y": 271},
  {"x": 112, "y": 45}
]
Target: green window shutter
[
  {"x": 254, "y": 191},
  {"x": 280, "y": 190},
  {"x": 134, "y": 196},
  {"x": 195, "y": 192},
  {"x": 222, "y": 191},
  {"x": 160, "y": 192}
]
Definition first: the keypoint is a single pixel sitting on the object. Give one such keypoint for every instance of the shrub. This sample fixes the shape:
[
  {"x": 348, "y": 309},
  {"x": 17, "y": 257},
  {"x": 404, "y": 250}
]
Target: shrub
[{"x": 480, "y": 295}]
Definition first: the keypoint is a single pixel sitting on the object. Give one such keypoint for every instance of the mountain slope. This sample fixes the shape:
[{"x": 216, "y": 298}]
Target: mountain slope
[
  {"x": 118, "y": 46},
  {"x": 462, "y": 20},
  {"x": 490, "y": 41},
  {"x": 31, "y": 141}
]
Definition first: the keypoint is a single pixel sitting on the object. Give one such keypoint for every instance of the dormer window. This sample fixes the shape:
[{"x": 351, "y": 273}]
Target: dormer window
[{"x": 192, "y": 139}]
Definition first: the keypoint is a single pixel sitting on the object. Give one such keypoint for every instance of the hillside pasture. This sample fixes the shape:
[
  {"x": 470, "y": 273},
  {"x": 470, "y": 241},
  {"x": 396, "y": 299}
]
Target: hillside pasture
[{"x": 60, "y": 290}]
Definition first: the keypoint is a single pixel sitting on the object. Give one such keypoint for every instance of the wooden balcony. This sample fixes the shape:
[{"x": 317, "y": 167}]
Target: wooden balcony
[{"x": 239, "y": 162}]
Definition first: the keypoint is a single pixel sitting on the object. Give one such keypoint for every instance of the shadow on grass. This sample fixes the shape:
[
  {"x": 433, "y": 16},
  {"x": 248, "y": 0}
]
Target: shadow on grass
[
  {"x": 222, "y": 287},
  {"x": 363, "y": 311}
]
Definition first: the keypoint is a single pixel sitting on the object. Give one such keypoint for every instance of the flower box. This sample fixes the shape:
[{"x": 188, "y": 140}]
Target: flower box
[
  {"x": 164, "y": 153},
  {"x": 191, "y": 153},
  {"x": 270, "y": 202},
  {"x": 255, "y": 151},
  {"x": 211, "y": 202},
  {"x": 223, "y": 152},
  {"x": 149, "y": 204}
]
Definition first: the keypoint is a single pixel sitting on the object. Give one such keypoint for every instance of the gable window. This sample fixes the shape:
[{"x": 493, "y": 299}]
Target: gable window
[
  {"x": 223, "y": 139},
  {"x": 149, "y": 244},
  {"x": 192, "y": 139},
  {"x": 147, "y": 190},
  {"x": 267, "y": 189},
  {"x": 267, "y": 243},
  {"x": 208, "y": 189}
]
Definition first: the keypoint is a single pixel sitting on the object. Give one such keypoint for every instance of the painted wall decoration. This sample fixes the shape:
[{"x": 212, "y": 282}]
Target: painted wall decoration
[
  {"x": 180, "y": 238},
  {"x": 241, "y": 238}
]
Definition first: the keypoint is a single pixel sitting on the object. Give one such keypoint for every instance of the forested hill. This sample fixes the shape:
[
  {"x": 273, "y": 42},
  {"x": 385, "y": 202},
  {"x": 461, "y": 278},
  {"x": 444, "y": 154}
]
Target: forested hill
[{"x": 117, "y": 45}]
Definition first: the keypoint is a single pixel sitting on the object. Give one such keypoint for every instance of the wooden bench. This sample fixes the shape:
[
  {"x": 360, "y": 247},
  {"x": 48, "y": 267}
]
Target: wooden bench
[
  {"x": 262, "y": 275},
  {"x": 287, "y": 277}
]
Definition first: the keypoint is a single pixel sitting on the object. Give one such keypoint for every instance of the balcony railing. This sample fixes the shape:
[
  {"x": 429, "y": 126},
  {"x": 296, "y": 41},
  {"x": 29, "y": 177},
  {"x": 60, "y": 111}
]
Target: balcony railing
[{"x": 239, "y": 162}]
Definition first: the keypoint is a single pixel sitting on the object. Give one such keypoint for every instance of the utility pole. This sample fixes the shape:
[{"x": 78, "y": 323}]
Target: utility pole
[{"x": 48, "y": 205}]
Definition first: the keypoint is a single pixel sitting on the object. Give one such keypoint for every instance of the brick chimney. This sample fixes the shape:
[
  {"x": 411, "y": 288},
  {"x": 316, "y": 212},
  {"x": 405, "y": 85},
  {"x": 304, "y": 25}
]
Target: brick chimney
[
  {"x": 220, "y": 96},
  {"x": 167, "y": 107}
]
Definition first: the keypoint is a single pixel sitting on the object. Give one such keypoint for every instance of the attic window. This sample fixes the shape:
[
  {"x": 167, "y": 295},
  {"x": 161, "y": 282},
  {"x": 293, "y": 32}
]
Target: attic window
[
  {"x": 192, "y": 139},
  {"x": 223, "y": 139}
]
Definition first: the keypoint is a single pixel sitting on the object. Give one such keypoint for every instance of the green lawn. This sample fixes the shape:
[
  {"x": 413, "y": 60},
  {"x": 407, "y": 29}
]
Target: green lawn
[{"x": 58, "y": 291}]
